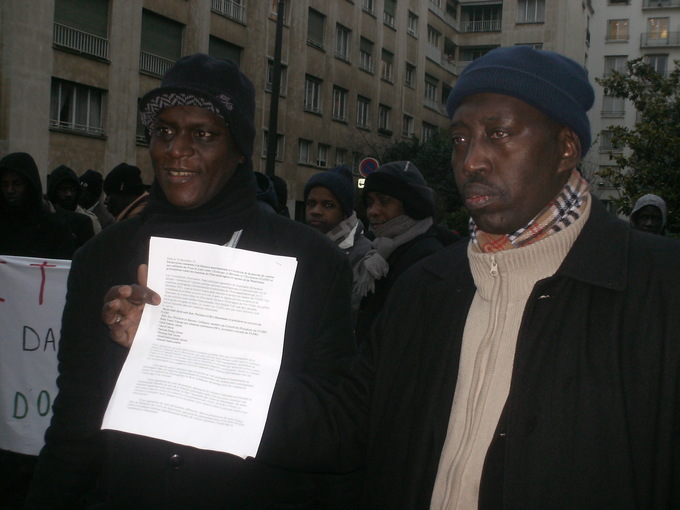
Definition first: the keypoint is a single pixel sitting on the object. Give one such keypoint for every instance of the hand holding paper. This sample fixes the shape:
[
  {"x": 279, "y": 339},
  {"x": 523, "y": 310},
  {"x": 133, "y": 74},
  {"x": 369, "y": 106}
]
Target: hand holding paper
[
  {"x": 204, "y": 363},
  {"x": 123, "y": 307}
]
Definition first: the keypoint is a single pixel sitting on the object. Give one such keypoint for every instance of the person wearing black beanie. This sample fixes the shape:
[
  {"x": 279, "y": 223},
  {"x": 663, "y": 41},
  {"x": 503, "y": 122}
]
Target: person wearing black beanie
[
  {"x": 400, "y": 209},
  {"x": 200, "y": 123}
]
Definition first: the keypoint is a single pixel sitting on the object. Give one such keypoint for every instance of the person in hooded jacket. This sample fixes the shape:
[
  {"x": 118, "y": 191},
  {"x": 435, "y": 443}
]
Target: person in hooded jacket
[
  {"x": 63, "y": 190},
  {"x": 649, "y": 214},
  {"x": 27, "y": 227}
]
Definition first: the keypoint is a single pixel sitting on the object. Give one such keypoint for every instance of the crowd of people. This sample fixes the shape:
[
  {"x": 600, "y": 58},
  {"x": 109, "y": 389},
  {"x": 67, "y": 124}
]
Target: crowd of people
[{"x": 534, "y": 364}]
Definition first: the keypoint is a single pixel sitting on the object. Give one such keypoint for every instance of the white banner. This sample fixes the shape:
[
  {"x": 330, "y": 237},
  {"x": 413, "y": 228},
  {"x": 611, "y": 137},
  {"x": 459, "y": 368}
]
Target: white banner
[{"x": 32, "y": 295}]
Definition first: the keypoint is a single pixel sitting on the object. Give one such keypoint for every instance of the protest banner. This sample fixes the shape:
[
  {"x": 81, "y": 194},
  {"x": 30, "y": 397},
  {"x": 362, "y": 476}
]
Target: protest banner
[{"x": 32, "y": 295}]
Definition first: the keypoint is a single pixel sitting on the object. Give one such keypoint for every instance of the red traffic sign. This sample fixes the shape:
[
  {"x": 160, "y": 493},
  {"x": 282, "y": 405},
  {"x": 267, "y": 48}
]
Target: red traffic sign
[{"x": 368, "y": 166}]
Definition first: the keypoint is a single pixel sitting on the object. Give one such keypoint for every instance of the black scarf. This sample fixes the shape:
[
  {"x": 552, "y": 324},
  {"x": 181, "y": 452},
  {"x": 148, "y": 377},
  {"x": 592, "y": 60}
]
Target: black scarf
[{"x": 231, "y": 209}]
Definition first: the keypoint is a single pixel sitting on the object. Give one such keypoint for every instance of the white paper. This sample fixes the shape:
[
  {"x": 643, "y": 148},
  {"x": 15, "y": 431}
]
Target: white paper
[{"x": 202, "y": 369}]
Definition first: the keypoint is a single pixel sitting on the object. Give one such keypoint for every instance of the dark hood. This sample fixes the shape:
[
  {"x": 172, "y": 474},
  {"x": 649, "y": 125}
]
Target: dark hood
[
  {"x": 60, "y": 174},
  {"x": 24, "y": 164}
]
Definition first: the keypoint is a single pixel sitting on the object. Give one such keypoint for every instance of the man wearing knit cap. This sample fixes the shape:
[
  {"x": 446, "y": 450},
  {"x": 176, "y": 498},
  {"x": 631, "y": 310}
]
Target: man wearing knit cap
[
  {"x": 200, "y": 124},
  {"x": 649, "y": 214},
  {"x": 536, "y": 366},
  {"x": 400, "y": 209},
  {"x": 329, "y": 208},
  {"x": 125, "y": 193},
  {"x": 91, "y": 183}
]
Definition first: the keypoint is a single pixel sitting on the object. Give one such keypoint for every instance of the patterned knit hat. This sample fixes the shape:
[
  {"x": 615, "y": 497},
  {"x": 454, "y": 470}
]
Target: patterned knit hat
[
  {"x": 215, "y": 84},
  {"x": 551, "y": 83},
  {"x": 340, "y": 182},
  {"x": 403, "y": 181}
]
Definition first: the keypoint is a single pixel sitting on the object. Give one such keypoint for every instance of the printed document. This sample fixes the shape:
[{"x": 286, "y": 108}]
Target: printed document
[{"x": 203, "y": 365}]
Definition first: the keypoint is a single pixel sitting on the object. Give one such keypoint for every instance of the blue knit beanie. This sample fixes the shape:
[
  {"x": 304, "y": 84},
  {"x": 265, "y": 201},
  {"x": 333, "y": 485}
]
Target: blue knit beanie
[
  {"x": 215, "y": 84},
  {"x": 341, "y": 183},
  {"x": 551, "y": 83}
]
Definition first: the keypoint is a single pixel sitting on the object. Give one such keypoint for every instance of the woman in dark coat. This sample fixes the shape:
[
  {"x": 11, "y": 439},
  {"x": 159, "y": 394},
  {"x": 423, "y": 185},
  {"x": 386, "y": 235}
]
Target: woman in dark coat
[{"x": 399, "y": 206}]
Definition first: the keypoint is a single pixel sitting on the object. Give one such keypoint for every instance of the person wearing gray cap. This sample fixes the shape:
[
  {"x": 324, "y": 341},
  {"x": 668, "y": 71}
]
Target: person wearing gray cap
[{"x": 201, "y": 128}]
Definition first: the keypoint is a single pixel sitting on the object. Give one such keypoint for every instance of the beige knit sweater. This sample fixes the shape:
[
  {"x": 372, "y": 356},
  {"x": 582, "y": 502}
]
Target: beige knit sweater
[{"x": 487, "y": 357}]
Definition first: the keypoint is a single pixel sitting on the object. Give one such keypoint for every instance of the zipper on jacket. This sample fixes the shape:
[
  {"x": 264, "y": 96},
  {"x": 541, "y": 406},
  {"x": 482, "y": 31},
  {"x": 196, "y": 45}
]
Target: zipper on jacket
[{"x": 494, "y": 267}]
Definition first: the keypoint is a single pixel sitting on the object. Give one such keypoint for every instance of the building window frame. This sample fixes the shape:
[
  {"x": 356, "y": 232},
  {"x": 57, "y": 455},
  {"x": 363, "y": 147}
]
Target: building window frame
[
  {"x": 312, "y": 98},
  {"x": 530, "y": 11},
  {"x": 343, "y": 38},
  {"x": 340, "y": 102},
  {"x": 363, "y": 112},
  {"x": 77, "y": 108}
]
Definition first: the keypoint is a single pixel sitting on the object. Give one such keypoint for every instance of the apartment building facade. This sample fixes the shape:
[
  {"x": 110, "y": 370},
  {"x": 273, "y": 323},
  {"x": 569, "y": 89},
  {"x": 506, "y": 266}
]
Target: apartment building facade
[
  {"x": 624, "y": 30},
  {"x": 357, "y": 75}
]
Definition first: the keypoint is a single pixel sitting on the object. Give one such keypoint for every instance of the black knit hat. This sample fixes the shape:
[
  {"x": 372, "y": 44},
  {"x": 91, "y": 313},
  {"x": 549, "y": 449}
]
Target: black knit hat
[
  {"x": 403, "y": 181},
  {"x": 92, "y": 182},
  {"x": 124, "y": 179},
  {"x": 340, "y": 182},
  {"x": 548, "y": 81},
  {"x": 215, "y": 84}
]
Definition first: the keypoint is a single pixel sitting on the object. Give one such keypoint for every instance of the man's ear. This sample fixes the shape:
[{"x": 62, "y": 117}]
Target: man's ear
[{"x": 570, "y": 149}]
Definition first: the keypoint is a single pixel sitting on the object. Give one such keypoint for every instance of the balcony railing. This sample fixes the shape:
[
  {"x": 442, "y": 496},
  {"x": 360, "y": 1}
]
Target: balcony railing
[
  {"x": 80, "y": 41},
  {"x": 660, "y": 4},
  {"x": 617, "y": 37},
  {"x": 154, "y": 64},
  {"x": 652, "y": 40},
  {"x": 229, "y": 9},
  {"x": 76, "y": 128},
  {"x": 490, "y": 25}
]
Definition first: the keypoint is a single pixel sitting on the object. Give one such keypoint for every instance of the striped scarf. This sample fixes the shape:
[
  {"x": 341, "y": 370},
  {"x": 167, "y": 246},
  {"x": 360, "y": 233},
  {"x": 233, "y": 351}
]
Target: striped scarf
[{"x": 566, "y": 208}]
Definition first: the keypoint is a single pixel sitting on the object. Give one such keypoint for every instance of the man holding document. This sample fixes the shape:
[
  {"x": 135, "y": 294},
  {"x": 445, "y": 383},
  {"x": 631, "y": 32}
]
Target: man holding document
[{"x": 191, "y": 403}]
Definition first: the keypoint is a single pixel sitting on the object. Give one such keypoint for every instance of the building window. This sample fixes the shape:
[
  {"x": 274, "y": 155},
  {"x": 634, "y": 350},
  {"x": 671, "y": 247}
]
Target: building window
[
  {"x": 615, "y": 63},
  {"x": 340, "y": 156},
  {"x": 530, "y": 11},
  {"x": 76, "y": 108},
  {"x": 304, "y": 151},
  {"x": 368, "y": 6},
  {"x": 219, "y": 48},
  {"x": 283, "y": 78},
  {"x": 659, "y": 63},
  {"x": 315, "y": 27},
  {"x": 410, "y": 75},
  {"x": 82, "y": 26},
  {"x": 657, "y": 31},
  {"x": 234, "y": 9},
  {"x": 363, "y": 108},
  {"x": 384, "y": 124},
  {"x": 412, "y": 24},
  {"x": 279, "y": 146},
  {"x": 431, "y": 96},
  {"x": 161, "y": 44},
  {"x": 433, "y": 37},
  {"x": 386, "y": 66},
  {"x": 366, "y": 55},
  {"x": 617, "y": 30},
  {"x": 388, "y": 12},
  {"x": 407, "y": 127},
  {"x": 606, "y": 144},
  {"x": 274, "y": 10},
  {"x": 322, "y": 157},
  {"x": 429, "y": 131},
  {"x": 613, "y": 106},
  {"x": 339, "y": 104},
  {"x": 342, "y": 39},
  {"x": 483, "y": 18},
  {"x": 312, "y": 94}
]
